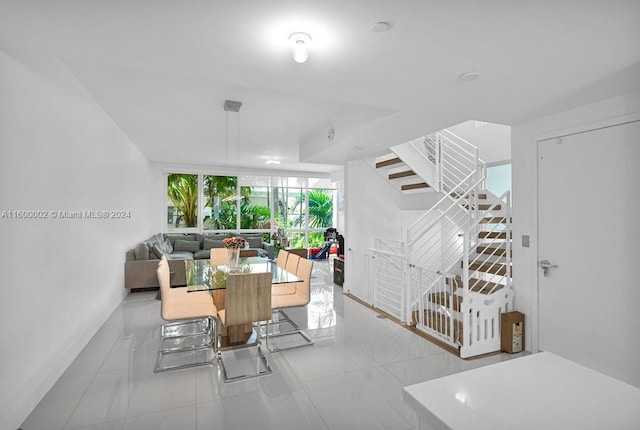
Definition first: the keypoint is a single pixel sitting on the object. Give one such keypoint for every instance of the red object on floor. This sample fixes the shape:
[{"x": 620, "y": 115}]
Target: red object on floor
[{"x": 314, "y": 251}]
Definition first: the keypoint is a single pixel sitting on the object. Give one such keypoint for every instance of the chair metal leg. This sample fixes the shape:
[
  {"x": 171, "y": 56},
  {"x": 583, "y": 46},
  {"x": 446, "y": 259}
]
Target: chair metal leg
[
  {"x": 261, "y": 359},
  {"x": 295, "y": 330},
  {"x": 192, "y": 350}
]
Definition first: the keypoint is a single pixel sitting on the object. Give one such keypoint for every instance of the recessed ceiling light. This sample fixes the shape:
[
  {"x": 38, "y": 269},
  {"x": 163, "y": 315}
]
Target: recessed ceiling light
[
  {"x": 272, "y": 161},
  {"x": 469, "y": 76},
  {"x": 380, "y": 27}
]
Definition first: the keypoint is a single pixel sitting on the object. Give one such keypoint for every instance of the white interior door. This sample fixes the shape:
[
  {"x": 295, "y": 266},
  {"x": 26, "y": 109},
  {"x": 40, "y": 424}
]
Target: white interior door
[{"x": 589, "y": 213}]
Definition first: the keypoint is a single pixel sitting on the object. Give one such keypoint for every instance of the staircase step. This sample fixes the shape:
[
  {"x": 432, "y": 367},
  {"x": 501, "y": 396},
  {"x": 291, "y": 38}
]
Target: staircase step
[
  {"x": 494, "y": 220},
  {"x": 440, "y": 323},
  {"x": 389, "y": 162},
  {"x": 492, "y": 250},
  {"x": 484, "y": 207},
  {"x": 443, "y": 299},
  {"x": 478, "y": 285},
  {"x": 493, "y": 235},
  {"x": 415, "y": 186},
  {"x": 403, "y": 174},
  {"x": 481, "y": 196},
  {"x": 488, "y": 267}
]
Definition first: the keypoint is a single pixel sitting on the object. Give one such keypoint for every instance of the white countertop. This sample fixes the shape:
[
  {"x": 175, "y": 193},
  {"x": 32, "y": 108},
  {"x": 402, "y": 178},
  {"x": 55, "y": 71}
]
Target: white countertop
[{"x": 540, "y": 391}]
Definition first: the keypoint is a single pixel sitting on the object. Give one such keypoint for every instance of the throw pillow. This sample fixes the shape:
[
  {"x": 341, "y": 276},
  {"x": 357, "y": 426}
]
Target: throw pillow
[
  {"x": 187, "y": 245},
  {"x": 167, "y": 246},
  {"x": 254, "y": 241},
  {"x": 158, "y": 250},
  {"x": 212, "y": 243},
  {"x": 141, "y": 251}
]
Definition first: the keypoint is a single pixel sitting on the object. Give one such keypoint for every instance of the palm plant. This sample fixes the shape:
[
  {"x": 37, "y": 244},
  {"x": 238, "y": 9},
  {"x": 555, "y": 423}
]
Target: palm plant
[
  {"x": 182, "y": 190},
  {"x": 320, "y": 209}
]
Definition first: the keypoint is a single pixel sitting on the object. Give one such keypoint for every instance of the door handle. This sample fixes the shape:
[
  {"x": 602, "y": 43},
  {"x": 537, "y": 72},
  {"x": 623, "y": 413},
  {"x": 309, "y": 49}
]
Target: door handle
[{"x": 546, "y": 265}]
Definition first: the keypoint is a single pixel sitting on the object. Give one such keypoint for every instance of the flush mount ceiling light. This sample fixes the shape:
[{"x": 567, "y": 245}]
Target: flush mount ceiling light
[
  {"x": 469, "y": 76},
  {"x": 300, "y": 51},
  {"x": 272, "y": 161}
]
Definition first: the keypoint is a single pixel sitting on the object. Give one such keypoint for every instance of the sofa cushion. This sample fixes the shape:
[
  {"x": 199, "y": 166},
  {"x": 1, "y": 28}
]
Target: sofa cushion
[
  {"x": 180, "y": 255},
  {"x": 141, "y": 251},
  {"x": 254, "y": 241},
  {"x": 187, "y": 245},
  {"x": 202, "y": 254},
  {"x": 212, "y": 243},
  {"x": 173, "y": 237}
]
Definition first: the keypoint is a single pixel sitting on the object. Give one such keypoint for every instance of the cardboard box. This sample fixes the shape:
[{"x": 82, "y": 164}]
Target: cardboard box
[{"x": 512, "y": 332}]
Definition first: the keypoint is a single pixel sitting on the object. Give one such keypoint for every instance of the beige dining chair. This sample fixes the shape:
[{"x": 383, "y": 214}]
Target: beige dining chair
[
  {"x": 284, "y": 298},
  {"x": 189, "y": 316},
  {"x": 247, "y": 301},
  {"x": 292, "y": 263},
  {"x": 282, "y": 259},
  {"x": 218, "y": 256}
]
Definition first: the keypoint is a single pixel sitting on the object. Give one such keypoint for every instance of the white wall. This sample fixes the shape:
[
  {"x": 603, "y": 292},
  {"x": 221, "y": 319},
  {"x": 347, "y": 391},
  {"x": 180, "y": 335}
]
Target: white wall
[
  {"x": 372, "y": 211},
  {"x": 524, "y": 169},
  {"x": 492, "y": 140},
  {"x": 61, "y": 278}
]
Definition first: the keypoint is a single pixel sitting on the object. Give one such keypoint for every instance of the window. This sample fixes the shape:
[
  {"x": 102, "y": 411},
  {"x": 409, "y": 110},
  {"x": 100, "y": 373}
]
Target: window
[
  {"x": 220, "y": 197},
  {"x": 255, "y": 208},
  {"x": 302, "y": 206},
  {"x": 182, "y": 202}
]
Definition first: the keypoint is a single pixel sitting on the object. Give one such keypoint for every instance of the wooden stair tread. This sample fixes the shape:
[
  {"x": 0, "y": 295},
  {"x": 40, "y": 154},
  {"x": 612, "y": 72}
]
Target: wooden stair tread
[
  {"x": 389, "y": 162},
  {"x": 440, "y": 323},
  {"x": 494, "y": 220},
  {"x": 416, "y": 186},
  {"x": 444, "y": 299},
  {"x": 489, "y": 249},
  {"x": 492, "y": 235},
  {"x": 489, "y": 267},
  {"x": 403, "y": 174},
  {"x": 485, "y": 207},
  {"x": 481, "y": 196},
  {"x": 479, "y": 286}
]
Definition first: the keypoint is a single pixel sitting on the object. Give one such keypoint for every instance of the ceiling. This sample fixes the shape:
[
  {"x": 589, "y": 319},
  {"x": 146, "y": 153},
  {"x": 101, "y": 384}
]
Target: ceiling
[{"x": 162, "y": 69}]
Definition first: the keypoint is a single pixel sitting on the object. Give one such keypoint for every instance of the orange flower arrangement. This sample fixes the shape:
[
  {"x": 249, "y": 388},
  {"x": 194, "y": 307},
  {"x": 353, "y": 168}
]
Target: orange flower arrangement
[{"x": 234, "y": 242}]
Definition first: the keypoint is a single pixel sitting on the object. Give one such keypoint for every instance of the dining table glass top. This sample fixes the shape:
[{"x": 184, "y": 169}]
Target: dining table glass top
[{"x": 202, "y": 276}]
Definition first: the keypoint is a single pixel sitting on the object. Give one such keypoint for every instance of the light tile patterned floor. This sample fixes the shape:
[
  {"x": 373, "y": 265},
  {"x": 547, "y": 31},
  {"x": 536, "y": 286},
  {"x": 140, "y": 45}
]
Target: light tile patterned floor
[{"x": 350, "y": 379}]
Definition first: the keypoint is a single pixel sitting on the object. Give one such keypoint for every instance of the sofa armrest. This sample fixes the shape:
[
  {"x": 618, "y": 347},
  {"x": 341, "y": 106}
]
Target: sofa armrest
[
  {"x": 270, "y": 248},
  {"x": 142, "y": 274}
]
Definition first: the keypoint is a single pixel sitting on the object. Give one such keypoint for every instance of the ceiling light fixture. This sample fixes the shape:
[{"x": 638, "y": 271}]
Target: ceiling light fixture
[
  {"x": 272, "y": 161},
  {"x": 300, "y": 51}
]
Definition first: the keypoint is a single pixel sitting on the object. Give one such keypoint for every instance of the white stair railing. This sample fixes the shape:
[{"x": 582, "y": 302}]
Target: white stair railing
[{"x": 442, "y": 278}]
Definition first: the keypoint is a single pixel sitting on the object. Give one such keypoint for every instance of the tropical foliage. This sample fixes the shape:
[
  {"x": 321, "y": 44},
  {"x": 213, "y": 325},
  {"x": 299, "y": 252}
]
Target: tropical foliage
[
  {"x": 182, "y": 190},
  {"x": 320, "y": 209}
]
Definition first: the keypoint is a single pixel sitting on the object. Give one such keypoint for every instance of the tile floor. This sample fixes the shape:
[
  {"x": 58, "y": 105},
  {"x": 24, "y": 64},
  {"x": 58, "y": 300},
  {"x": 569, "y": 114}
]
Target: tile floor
[{"x": 350, "y": 379}]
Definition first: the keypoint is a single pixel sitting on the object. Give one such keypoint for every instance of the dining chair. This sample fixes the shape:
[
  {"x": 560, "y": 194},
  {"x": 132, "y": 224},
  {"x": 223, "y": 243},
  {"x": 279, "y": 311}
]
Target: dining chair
[
  {"x": 218, "y": 256},
  {"x": 292, "y": 263},
  {"x": 282, "y": 259},
  {"x": 247, "y": 301},
  {"x": 281, "y": 301},
  {"x": 189, "y": 316}
]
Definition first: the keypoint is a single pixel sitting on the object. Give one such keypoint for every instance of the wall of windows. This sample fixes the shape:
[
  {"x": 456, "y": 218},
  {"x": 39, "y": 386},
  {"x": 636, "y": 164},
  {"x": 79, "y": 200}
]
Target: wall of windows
[{"x": 303, "y": 207}]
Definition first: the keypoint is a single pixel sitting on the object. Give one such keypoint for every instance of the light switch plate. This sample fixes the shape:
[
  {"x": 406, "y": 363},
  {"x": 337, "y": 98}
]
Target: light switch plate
[{"x": 525, "y": 240}]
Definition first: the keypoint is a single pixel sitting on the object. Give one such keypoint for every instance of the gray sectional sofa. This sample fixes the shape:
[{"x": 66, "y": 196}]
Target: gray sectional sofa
[{"x": 142, "y": 261}]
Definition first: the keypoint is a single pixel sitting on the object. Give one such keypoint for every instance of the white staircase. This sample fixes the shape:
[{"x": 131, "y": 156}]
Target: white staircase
[{"x": 451, "y": 277}]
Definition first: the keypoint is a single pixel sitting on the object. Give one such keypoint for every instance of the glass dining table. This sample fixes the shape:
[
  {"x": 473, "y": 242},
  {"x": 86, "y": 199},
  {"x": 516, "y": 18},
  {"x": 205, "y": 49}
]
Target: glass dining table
[{"x": 203, "y": 276}]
